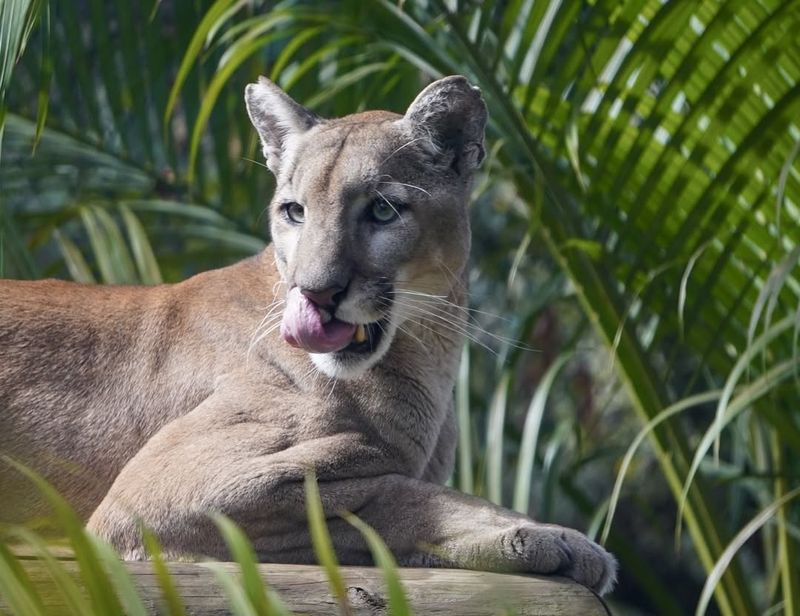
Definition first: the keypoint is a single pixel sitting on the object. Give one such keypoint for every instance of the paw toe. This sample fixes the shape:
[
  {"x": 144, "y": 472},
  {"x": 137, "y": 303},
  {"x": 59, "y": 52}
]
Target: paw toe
[
  {"x": 537, "y": 549},
  {"x": 591, "y": 565}
]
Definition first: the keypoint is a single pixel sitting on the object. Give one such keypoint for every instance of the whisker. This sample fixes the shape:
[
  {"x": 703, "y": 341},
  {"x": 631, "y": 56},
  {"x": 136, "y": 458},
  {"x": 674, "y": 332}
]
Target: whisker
[
  {"x": 264, "y": 330},
  {"x": 389, "y": 203},
  {"x": 311, "y": 372},
  {"x": 422, "y": 288},
  {"x": 255, "y": 162},
  {"x": 446, "y": 324},
  {"x": 272, "y": 328},
  {"x": 276, "y": 285},
  {"x": 405, "y": 145},
  {"x": 270, "y": 310},
  {"x": 273, "y": 312},
  {"x": 434, "y": 328},
  {"x": 410, "y": 335},
  {"x": 465, "y": 328},
  {"x": 330, "y": 393},
  {"x": 258, "y": 337},
  {"x": 419, "y": 188},
  {"x": 443, "y": 266},
  {"x": 443, "y": 299}
]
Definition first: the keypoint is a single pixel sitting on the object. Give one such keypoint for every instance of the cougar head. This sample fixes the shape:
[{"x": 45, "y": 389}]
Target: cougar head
[{"x": 367, "y": 209}]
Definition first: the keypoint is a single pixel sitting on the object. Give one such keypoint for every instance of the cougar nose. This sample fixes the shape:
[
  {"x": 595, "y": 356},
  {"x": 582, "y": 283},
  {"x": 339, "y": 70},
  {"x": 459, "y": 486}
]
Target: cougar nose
[{"x": 325, "y": 298}]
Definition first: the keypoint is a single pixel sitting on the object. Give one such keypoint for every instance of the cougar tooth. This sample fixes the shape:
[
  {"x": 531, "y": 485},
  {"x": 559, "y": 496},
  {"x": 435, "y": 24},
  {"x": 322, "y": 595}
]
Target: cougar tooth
[
  {"x": 360, "y": 335},
  {"x": 324, "y": 315}
]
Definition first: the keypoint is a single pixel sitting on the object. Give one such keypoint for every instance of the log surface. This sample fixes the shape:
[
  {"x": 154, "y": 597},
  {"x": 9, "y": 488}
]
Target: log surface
[{"x": 304, "y": 589}]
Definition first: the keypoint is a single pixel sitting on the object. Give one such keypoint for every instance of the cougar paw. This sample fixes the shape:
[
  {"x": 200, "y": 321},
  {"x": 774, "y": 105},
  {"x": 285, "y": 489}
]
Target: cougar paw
[
  {"x": 539, "y": 548},
  {"x": 590, "y": 564},
  {"x": 534, "y": 549}
]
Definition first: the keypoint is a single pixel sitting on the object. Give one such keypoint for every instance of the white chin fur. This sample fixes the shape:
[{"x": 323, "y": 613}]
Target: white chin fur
[{"x": 354, "y": 366}]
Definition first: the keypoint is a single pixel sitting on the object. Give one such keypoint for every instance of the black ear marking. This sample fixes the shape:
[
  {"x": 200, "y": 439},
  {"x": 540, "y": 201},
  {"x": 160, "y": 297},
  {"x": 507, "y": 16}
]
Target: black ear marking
[{"x": 451, "y": 115}]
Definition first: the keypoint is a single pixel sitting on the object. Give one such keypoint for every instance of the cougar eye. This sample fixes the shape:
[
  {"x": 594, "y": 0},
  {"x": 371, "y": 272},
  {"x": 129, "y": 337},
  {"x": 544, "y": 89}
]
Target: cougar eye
[
  {"x": 294, "y": 212},
  {"x": 384, "y": 212}
]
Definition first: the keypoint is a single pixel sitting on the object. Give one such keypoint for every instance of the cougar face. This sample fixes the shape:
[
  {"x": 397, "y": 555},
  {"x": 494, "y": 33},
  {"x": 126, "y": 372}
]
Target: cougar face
[{"x": 369, "y": 211}]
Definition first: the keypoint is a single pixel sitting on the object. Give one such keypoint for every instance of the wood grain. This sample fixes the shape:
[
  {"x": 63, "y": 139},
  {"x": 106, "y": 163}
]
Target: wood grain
[{"x": 305, "y": 590}]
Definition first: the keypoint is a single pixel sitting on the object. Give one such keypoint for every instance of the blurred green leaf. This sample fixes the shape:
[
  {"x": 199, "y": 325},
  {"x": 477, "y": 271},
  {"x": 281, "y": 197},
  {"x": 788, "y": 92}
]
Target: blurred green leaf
[
  {"x": 70, "y": 592},
  {"x": 16, "y": 586},
  {"x": 735, "y": 545},
  {"x": 94, "y": 578},
  {"x": 172, "y": 601},
  {"x": 321, "y": 541},
  {"x": 494, "y": 439},
  {"x": 263, "y": 600},
  {"x": 530, "y": 434},
  {"x": 398, "y": 604}
]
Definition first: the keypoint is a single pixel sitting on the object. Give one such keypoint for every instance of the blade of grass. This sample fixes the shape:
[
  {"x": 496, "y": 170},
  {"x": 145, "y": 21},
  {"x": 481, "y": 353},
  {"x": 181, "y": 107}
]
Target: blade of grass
[
  {"x": 530, "y": 434},
  {"x": 258, "y": 594},
  {"x": 172, "y": 599},
  {"x": 219, "y": 80},
  {"x": 118, "y": 253},
  {"x": 553, "y": 452},
  {"x": 76, "y": 264},
  {"x": 209, "y": 21},
  {"x": 787, "y": 550},
  {"x": 45, "y": 75},
  {"x": 95, "y": 579},
  {"x": 685, "y": 282},
  {"x": 494, "y": 439},
  {"x": 357, "y": 75},
  {"x": 781, "y": 273},
  {"x": 100, "y": 247},
  {"x": 519, "y": 255},
  {"x": 16, "y": 587},
  {"x": 668, "y": 412},
  {"x": 782, "y": 178},
  {"x": 238, "y": 601},
  {"x": 241, "y": 242},
  {"x": 398, "y": 603},
  {"x": 758, "y": 388},
  {"x": 146, "y": 262},
  {"x": 179, "y": 208},
  {"x": 121, "y": 578},
  {"x": 321, "y": 541},
  {"x": 71, "y": 593},
  {"x": 754, "y": 348},
  {"x": 287, "y": 53},
  {"x": 736, "y": 543},
  {"x": 465, "y": 480}
]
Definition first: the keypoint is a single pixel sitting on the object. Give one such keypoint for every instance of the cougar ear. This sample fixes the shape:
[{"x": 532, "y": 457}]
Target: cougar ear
[
  {"x": 450, "y": 116},
  {"x": 277, "y": 118}
]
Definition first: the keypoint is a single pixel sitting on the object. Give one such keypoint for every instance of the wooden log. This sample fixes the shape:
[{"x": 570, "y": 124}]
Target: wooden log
[{"x": 305, "y": 590}]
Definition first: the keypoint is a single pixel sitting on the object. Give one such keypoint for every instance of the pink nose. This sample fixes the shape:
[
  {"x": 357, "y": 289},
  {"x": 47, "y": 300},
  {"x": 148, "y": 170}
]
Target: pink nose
[{"x": 326, "y": 297}]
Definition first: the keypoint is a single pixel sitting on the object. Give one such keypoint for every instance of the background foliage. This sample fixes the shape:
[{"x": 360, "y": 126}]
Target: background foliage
[{"x": 637, "y": 222}]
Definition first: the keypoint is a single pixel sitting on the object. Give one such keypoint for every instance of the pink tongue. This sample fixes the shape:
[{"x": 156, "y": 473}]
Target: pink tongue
[{"x": 302, "y": 326}]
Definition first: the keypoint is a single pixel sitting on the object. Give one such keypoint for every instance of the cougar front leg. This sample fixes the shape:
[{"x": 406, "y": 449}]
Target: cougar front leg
[
  {"x": 430, "y": 525},
  {"x": 423, "y": 524}
]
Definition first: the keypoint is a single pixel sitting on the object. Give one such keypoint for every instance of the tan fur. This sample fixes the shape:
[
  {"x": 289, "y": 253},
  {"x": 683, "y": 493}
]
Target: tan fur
[{"x": 162, "y": 404}]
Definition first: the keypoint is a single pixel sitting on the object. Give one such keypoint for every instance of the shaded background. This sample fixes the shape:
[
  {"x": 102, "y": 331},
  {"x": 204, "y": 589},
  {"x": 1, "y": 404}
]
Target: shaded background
[{"x": 636, "y": 232}]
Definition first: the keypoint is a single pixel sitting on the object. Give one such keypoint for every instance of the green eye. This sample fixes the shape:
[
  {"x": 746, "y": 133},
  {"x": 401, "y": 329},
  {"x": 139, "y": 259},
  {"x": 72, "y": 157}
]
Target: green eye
[
  {"x": 295, "y": 212},
  {"x": 384, "y": 212}
]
